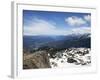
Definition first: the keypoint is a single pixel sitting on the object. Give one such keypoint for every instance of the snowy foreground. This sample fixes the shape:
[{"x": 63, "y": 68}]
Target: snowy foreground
[{"x": 72, "y": 57}]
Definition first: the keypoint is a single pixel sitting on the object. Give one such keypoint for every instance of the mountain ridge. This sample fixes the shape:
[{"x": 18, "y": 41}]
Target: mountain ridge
[{"x": 57, "y": 41}]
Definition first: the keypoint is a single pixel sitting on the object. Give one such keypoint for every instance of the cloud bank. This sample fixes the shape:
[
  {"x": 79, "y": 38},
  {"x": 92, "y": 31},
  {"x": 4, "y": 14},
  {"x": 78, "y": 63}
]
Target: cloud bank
[{"x": 43, "y": 27}]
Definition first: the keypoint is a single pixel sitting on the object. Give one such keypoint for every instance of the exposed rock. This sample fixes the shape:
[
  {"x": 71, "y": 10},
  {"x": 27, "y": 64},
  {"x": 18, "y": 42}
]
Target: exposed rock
[
  {"x": 70, "y": 60},
  {"x": 36, "y": 60}
]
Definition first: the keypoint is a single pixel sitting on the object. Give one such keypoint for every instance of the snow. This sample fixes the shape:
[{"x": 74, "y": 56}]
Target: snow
[{"x": 78, "y": 55}]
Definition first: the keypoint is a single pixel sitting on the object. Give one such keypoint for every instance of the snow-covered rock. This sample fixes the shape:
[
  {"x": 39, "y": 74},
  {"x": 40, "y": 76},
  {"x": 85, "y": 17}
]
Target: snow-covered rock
[{"x": 71, "y": 57}]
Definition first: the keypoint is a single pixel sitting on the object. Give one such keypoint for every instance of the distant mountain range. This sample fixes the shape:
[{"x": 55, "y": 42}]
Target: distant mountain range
[{"x": 73, "y": 40}]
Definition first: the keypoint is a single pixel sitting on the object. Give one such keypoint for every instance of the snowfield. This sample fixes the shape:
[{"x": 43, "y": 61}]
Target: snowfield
[{"x": 72, "y": 57}]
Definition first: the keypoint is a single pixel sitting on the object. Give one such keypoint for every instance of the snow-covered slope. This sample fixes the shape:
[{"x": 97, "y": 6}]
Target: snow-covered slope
[{"x": 72, "y": 57}]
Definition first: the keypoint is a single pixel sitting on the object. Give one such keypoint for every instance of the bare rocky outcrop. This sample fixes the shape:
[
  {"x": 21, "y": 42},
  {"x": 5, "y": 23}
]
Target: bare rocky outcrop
[{"x": 36, "y": 60}]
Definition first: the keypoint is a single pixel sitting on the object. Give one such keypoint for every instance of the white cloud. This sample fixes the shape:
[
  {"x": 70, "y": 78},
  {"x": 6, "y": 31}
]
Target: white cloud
[
  {"x": 81, "y": 30},
  {"x": 75, "y": 21},
  {"x": 42, "y": 27},
  {"x": 87, "y": 18}
]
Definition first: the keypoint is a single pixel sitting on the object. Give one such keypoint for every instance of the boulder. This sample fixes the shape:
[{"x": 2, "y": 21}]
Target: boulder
[{"x": 36, "y": 60}]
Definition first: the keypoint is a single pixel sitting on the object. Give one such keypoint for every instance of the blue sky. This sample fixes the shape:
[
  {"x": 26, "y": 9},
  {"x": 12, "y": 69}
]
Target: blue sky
[{"x": 55, "y": 23}]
